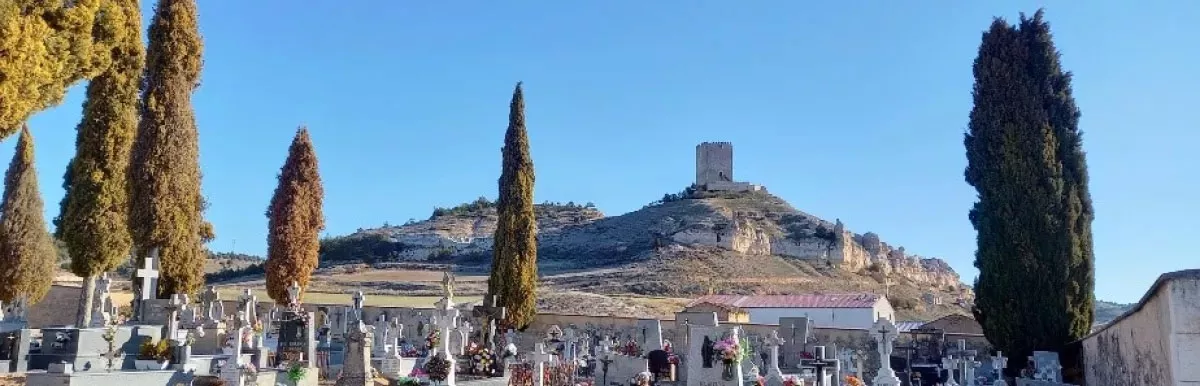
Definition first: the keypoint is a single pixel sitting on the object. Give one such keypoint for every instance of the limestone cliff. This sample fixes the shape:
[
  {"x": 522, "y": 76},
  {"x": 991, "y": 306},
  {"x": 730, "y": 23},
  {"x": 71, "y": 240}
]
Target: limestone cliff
[{"x": 748, "y": 223}]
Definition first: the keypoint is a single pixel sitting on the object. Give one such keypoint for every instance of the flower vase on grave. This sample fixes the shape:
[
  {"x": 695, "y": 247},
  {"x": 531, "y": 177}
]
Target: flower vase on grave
[{"x": 727, "y": 372}]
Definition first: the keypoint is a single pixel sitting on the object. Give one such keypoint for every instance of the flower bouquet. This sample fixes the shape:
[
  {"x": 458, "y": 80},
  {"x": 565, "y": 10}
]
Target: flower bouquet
[
  {"x": 792, "y": 380},
  {"x": 853, "y": 381},
  {"x": 433, "y": 339},
  {"x": 438, "y": 368},
  {"x": 481, "y": 360},
  {"x": 730, "y": 352}
]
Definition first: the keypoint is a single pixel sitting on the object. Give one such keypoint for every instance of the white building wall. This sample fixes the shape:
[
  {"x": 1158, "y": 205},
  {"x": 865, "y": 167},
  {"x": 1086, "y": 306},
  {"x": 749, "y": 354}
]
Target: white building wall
[{"x": 862, "y": 318}]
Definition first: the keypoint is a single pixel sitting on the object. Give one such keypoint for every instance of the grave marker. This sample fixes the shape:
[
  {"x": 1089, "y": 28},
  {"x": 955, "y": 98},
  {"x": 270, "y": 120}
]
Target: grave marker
[
  {"x": 356, "y": 368},
  {"x": 774, "y": 373},
  {"x": 885, "y": 333},
  {"x": 540, "y": 357}
]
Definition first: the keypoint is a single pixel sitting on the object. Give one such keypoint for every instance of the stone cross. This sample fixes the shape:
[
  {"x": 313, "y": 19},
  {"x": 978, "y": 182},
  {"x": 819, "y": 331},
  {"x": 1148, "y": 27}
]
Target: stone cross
[
  {"x": 510, "y": 337},
  {"x": 968, "y": 373},
  {"x": 447, "y": 319},
  {"x": 394, "y": 332},
  {"x": 248, "y": 303},
  {"x": 962, "y": 356},
  {"x": 774, "y": 373},
  {"x": 294, "y": 294},
  {"x": 243, "y": 322},
  {"x": 821, "y": 362},
  {"x": 210, "y": 299},
  {"x": 464, "y": 336},
  {"x": 178, "y": 301},
  {"x": 949, "y": 363},
  {"x": 490, "y": 313},
  {"x": 380, "y": 336},
  {"x": 540, "y": 357},
  {"x": 149, "y": 276},
  {"x": 999, "y": 362},
  {"x": 100, "y": 315},
  {"x": 884, "y": 332}
]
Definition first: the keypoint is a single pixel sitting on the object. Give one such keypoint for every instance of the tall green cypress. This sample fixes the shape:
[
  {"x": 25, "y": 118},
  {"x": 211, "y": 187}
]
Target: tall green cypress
[
  {"x": 1034, "y": 214},
  {"x": 514, "y": 250},
  {"x": 27, "y": 253},
  {"x": 166, "y": 202},
  {"x": 93, "y": 218}
]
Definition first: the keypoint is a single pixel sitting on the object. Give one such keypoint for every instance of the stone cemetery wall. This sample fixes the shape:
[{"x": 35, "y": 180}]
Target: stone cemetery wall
[{"x": 1157, "y": 342}]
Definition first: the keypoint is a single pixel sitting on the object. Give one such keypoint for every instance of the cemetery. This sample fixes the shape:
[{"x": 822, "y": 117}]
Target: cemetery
[{"x": 177, "y": 340}]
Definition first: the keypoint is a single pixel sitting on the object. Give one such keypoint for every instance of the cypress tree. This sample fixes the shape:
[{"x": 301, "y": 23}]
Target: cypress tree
[
  {"x": 45, "y": 47},
  {"x": 93, "y": 218},
  {"x": 166, "y": 202},
  {"x": 1034, "y": 212},
  {"x": 26, "y": 249},
  {"x": 514, "y": 250},
  {"x": 295, "y": 219}
]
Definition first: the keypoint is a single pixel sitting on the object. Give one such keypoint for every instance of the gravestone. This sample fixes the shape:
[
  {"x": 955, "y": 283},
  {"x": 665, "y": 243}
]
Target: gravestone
[
  {"x": 213, "y": 308},
  {"x": 489, "y": 313},
  {"x": 1047, "y": 366},
  {"x": 540, "y": 357},
  {"x": 148, "y": 289},
  {"x": 885, "y": 333},
  {"x": 796, "y": 332},
  {"x": 651, "y": 334},
  {"x": 101, "y": 315},
  {"x": 84, "y": 348},
  {"x": 447, "y": 319},
  {"x": 703, "y": 332},
  {"x": 379, "y": 344},
  {"x": 356, "y": 368},
  {"x": 999, "y": 362},
  {"x": 949, "y": 364},
  {"x": 233, "y": 373},
  {"x": 774, "y": 373},
  {"x": 825, "y": 367}
]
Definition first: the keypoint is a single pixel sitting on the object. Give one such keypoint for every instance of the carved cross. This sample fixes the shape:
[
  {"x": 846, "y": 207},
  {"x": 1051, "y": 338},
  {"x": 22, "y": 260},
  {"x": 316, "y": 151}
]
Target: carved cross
[
  {"x": 149, "y": 276},
  {"x": 540, "y": 357},
  {"x": 999, "y": 362},
  {"x": 491, "y": 314},
  {"x": 294, "y": 294}
]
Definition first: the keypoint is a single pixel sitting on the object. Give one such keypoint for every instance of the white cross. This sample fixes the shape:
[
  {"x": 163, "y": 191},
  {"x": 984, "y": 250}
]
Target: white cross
[
  {"x": 149, "y": 275},
  {"x": 949, "y": 363},
  {"x": 539, "y": 358},
  {"x": 999, "y": 362},
  {"x": 773, "y": 342},
  {"x": 177, "y": 302},
  {"x": 294, "y": 294},
  {"x": 249, "y": 301}
]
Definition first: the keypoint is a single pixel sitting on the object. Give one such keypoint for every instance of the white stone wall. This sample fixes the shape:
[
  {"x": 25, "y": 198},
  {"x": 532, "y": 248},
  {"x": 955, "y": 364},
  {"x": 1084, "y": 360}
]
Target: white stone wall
[
  {"x": 1157, "y": 343},
  {"x": 858, "y": 318}
]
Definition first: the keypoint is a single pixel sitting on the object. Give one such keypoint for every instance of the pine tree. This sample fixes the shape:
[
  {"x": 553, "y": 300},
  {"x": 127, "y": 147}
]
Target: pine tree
[
  {"x": 93, "y": 218},
  {"x": 26, "y": 249},
  {"x": 295, "y": 220},
  {"x": 45, "y": 47},
  {"x": 514, "y": 251},
  {"x": 166, "y": 202},
  {"x": 1034, "y": 214}
]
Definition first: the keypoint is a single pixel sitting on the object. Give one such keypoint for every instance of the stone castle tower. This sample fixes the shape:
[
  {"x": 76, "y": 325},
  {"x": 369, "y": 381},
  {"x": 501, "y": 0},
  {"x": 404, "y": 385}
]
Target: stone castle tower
[{"x": 714, "y": 168}]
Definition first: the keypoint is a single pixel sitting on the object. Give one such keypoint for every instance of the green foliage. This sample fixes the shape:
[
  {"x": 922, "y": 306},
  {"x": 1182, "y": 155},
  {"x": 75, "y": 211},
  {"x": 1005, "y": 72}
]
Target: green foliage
[
  {"x": 152, "y": 350},
  {"x": 234, "y": 273},
  {"x": 514, "y": 263},
  {"x": 296, "y": 372},
  {"x": 165, "y": 173},
  {"x": 365, "y": 247},
  {"x": 295, "y": 219},
  {"x": 1034, "y": 214},
  {"x": 47, "y": 46},
  {"x": 26, "y": 251},
  {"x": 94, "y": 211},
  {"x": 687, "y": 193},
  {"x": 470, "y": 208}
]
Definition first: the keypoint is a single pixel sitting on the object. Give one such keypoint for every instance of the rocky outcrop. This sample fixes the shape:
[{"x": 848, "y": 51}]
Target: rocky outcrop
[{"x": 750, "y": 223}]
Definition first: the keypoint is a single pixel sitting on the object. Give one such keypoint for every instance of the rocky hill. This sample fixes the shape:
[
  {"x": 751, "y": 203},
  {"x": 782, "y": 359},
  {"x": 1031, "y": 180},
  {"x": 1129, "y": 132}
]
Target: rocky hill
[{"x": 686, "y": 244}]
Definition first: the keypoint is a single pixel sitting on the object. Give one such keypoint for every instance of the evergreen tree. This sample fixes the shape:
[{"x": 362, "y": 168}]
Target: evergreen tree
[
  {"x": 295, "y": 220},
  {"x": 1034, "y": 214},
  {"x": 26, "y": 249},
  {"x": 94, "y": 212},
  {"x": 166, "y": 203},
  {"x": 47, "y": 46},
  {"x": 514, "y": 251}
]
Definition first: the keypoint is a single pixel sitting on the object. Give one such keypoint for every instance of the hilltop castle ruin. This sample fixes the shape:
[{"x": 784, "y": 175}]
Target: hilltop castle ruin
[{"x": 714, "y": 169}]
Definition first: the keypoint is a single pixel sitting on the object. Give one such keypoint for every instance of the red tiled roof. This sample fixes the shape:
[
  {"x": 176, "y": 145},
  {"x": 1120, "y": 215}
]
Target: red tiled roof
[{"x": 792, "y": 301}]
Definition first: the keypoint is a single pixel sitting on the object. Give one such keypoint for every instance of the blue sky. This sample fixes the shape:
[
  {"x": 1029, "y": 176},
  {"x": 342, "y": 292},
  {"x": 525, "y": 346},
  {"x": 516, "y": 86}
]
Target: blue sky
[{"x": 853, "y": 111}]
